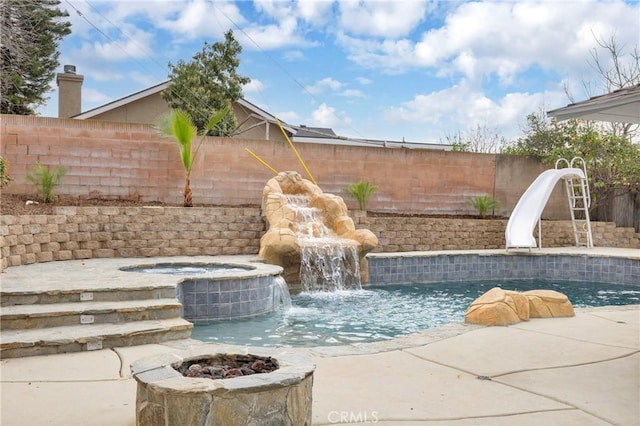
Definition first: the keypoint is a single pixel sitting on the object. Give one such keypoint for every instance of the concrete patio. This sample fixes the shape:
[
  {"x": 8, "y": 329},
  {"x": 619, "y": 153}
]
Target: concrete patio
[{"x": 583, "y": 370}]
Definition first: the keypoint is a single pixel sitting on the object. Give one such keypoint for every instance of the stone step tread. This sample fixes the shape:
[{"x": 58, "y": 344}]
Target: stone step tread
[
  {"x": 85, "y": 308},
  {"x": 86, "y": 333},
  {"x": 11, "y": 290}
]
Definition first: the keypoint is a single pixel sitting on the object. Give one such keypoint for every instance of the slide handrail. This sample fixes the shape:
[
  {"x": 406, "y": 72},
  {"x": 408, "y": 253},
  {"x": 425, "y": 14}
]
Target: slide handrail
[{"x": 586, "y": 177}]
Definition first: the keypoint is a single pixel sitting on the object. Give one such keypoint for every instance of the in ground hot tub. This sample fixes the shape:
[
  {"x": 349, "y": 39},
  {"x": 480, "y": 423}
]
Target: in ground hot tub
[
  {"x": 214, "y": 291},
  {"x": 190, "y": 269}
]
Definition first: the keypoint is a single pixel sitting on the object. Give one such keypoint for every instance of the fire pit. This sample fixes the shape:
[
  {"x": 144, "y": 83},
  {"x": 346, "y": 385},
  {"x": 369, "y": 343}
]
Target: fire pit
[
  {"x": 227, "y": 366},
  {"x": 210, "y": 386}
]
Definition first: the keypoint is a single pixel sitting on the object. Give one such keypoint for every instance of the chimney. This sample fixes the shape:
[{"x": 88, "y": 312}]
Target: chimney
[{"x": 69, "y": 92}]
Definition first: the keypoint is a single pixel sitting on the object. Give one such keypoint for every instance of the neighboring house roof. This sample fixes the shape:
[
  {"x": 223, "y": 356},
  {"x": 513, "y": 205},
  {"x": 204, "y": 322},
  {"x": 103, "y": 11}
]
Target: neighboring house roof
[
  {"x": 342, "y": 140},
  {"x": 621, "y": 106},
  {"x": 155, "y": 90},
  {"x": 301, "y": 133},
  {"x": 122, "y": 101}
]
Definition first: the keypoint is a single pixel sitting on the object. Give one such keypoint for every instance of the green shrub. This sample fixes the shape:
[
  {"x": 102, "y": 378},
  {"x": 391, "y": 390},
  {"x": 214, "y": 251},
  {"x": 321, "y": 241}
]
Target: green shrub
[
  {"x": 484, "y": 204},
  {"x": 46, "y": 179},
  {"x": 4, "y": 176},
  {"x": 361, "y": 192}
]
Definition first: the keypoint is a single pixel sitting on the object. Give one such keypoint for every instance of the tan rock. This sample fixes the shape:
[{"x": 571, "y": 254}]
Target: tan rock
[
  {"x": 279, "y": 244},
  {"x": 506, "y": 307},
  {"x": 520, "y": 304},
  {"x": 344, "y": 225},
  {"x": 549, "y": 304},
  {"x": 495, "y": 307}
]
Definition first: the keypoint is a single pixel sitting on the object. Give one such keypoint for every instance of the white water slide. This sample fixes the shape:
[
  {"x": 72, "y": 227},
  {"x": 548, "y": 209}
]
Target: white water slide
[{"x": 526, "y": 214}]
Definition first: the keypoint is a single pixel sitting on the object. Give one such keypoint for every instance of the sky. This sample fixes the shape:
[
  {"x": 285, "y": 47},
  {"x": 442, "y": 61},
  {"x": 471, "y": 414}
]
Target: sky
[{"x": 419, "y": 71}]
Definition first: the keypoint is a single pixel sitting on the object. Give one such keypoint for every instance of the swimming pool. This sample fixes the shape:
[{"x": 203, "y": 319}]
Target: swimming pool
[{"x": 385, "y": 312}]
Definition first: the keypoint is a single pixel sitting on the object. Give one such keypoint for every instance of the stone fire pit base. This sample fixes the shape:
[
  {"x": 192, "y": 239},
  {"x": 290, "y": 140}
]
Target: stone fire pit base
[{"x": 166, "y": 397}]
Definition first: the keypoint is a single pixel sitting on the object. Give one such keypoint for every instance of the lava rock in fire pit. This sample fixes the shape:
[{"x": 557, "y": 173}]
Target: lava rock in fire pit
[{"x": 227, "y": 366}]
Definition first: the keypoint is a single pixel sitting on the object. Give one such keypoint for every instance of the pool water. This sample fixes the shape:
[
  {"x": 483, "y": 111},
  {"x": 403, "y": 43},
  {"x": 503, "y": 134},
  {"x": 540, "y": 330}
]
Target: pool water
[{"x": 385, "y": 312}]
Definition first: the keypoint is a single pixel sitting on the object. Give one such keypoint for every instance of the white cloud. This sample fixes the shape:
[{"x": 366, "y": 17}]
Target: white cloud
[
  {"x": 274, "y": 36},
  {"x": 326, "y": 116},
  {"x": 502, "y": 38},
  {"x": 352, "y": 93},
  {"x": 275, "y": 9},
  {"x": 381, "y": 18},
  {"x": 146, "y": 79},
  {"x": 200, "y": 18},
  {"x": 293, "y": 55},
  {"x": 290, "y": 117},
  {"x": 388, "y": 55},
  {"x": 463, "y": 107},
  {"x": 322, "y": 85},
  {"x": 94, "y": 97},
  {"x": 254, "y": 85},
  {"x": 315, "y": 12},
  {"x": 364, "y": 81},
  {"x": 100, "y": 74},
  {"x": 137, "y": 45}
]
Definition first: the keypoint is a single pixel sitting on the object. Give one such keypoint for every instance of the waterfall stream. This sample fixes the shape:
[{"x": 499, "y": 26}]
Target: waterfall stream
[
  {"x": 281, "y": 296},
  {"x": 327, "y": 262}
]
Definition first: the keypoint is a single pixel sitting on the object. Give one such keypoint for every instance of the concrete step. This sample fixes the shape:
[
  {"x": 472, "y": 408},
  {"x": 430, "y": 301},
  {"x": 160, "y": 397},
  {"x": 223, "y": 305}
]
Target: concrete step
[
  {"x": 66, "y": 314},
  {"x": 78, "y": 338},
  {"x": 26, "y": 296}
]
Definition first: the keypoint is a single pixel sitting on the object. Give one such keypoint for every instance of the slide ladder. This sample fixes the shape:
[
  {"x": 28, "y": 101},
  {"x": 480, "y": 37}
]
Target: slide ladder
[
  {"x": 527, "y": 213},
  {"x": 579, "y": 197}
]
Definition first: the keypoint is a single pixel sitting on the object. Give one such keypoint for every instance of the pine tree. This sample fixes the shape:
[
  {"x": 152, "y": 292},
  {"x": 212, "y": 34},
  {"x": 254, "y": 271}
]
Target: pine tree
[
  {"x": 30, "y": 31},
  {"x": 208, "y": 83}
]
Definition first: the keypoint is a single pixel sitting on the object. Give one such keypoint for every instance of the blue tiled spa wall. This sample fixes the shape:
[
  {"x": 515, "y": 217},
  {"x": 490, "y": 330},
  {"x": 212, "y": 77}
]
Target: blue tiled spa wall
[
  {"x": 213, "y": 298},
  {"x": 424, "y": 268}
]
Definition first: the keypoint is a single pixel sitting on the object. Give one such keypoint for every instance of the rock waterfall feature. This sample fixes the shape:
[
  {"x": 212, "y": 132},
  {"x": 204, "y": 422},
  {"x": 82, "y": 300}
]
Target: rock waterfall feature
[{"x": 311, "y": 235}]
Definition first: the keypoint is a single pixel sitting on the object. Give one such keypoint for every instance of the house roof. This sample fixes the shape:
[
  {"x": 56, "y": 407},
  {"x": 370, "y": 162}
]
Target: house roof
[
  {"x": 301, "y": 133},
  {"x": 343, "y": 140},
  {"x": 253, "y": 109},
  {"x": 122, "y": 101},
  {"x": 314, "y": 132},
  {"x": 621, "y": 106}
]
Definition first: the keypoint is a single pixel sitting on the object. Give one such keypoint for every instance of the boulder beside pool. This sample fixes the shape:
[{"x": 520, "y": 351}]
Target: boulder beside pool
[
  {"x": 505, "y": 307},
  {"x": 548, "y": 304}
]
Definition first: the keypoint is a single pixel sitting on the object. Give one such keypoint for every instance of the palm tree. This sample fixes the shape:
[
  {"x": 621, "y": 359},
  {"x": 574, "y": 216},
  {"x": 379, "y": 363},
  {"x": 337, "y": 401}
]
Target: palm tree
[
  {"x": 361, "y": 191},
  {"x": 179, "y": 125}
]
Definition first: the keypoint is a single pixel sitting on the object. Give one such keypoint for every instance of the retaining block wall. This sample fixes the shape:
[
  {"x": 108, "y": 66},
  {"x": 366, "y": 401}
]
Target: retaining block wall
[
  {"x": 94, "y": 232},
  {"x": 396, "y": 234}
]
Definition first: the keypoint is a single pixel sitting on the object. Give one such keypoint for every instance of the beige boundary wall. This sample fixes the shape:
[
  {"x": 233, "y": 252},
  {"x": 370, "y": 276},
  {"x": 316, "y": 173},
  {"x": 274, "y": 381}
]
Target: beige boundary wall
[
  {"x": 99, "y": 232},
  {"x": 123, "y": 160}
]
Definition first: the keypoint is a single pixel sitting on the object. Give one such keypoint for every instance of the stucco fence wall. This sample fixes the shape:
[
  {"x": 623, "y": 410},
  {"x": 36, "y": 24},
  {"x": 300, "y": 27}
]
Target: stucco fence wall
[
  {"x": 99, "y": 232},
  {"x": 123, "y": 160}
]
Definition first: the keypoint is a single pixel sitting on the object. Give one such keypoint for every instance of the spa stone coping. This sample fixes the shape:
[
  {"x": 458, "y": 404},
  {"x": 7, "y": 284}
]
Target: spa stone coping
[{"x": 103, "y": 274}]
